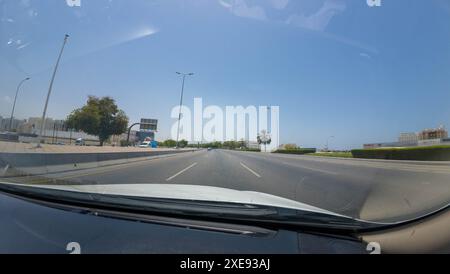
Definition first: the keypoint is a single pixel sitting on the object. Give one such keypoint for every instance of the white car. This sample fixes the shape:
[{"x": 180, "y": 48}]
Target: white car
[
  {"x": 145, "y": 144},
  {"x": 80, "y": 142}
]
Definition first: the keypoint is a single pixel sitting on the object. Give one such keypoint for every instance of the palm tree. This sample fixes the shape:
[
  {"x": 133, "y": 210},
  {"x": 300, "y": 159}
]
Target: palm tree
[{"x": 264, "y": 138}]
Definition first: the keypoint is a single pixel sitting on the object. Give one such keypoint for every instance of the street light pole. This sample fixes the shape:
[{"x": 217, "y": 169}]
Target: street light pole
[
  {"x": 129, "y": 131},
  {"x": 181, "y": 102},
  {"x": 15, "y": 99},
  {"x": 51, "y": 86},
  {"x": 328, "y": 141}
]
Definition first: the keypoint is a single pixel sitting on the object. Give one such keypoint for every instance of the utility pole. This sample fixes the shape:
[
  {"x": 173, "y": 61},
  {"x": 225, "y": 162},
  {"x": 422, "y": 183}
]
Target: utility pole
[
  {"x": 181, "y": 102},
  {"x": 70, "y": 137},
  {"x": 14, "y": 104},
  {"x": 51, "y": 86}
]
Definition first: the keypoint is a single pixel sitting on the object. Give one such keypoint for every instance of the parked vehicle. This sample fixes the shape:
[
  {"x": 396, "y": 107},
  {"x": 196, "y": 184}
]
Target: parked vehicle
[
  {"x": 145, "y": 144},
  {"x": 152, "y": 144},
  {"x": 80, "y": 142}
]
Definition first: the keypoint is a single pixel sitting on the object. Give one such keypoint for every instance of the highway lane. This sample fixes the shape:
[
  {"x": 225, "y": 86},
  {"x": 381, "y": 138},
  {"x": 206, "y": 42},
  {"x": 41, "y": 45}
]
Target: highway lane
[{"x": 371, "y": 190}]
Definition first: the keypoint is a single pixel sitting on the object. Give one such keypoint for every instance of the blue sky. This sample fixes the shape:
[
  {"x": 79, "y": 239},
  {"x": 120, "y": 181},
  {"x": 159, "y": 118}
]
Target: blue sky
[{"x": 334, "y": 67}]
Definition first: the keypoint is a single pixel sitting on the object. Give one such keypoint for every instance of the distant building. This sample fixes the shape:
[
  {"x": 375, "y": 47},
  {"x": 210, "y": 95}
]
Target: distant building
[
  {"x": 430, "y": 134},
  {"x": 408, "y": 138},
  {"x": 371, "y": 146},
  {"x": 427, "y": 137},
  {"x": 54, "y": 131},
  {"x": 124, "y": 136},
  {"x": 34, "y": 124},
  {"x": 430, "y": 142},
  {"x": 4, "y": 123},
  {"x": 388, "y": 144},
  {"x": 252, "y": 145}
]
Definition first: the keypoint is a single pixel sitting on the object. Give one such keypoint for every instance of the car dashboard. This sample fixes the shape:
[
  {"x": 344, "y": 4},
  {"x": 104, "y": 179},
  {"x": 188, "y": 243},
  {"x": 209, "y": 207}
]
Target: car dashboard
[{"x": 36, "y": 227}]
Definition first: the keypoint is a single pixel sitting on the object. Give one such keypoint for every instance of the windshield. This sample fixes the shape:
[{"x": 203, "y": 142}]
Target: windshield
[{"x": 334, "y": 106}]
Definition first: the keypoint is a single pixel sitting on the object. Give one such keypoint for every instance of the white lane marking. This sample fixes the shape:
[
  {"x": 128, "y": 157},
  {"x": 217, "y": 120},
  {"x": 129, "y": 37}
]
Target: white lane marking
[
  {"x": 249, "y": 169},
  {"x": 313, "y": 169},
  {"x": 4, "y": 170},
  {"x": 106, "y": 169},
  {"x": 184, "y": 170},
  {"x": 366, "y": 163}
]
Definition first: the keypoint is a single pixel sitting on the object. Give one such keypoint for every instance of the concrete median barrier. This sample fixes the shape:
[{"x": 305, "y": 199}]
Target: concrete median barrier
[{"x": 22, "y": 164}]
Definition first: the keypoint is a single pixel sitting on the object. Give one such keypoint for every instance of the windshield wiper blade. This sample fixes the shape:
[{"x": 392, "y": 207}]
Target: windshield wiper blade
[
  {"x": 139, "y": 203},
  {"x": 220, "y": 211}
]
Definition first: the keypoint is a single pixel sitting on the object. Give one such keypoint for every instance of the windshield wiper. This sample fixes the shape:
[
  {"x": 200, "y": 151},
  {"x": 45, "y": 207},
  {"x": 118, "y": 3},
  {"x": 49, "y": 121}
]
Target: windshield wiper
[{"x": 267, "y": 216}]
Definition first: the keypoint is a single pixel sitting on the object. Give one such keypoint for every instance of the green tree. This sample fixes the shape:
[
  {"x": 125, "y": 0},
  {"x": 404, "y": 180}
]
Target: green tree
[
  {"x": 169, "y": 143},
  {"x": 182, "y": 143},
  {"x": 100, "y": 117},
  {"x": 242, "y": 144},
  {"x": 291, "y": 147},
  {"x": 264, "y": 138}
]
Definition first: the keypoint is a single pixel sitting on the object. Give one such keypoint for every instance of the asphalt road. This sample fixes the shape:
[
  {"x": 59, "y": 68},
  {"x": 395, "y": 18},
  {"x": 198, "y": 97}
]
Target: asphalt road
[{"x": 366, "y": 189}]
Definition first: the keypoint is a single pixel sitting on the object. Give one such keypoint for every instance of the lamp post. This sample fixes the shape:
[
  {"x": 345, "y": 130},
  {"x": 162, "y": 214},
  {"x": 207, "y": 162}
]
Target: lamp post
[
  {"x": 328, "y": 141},
  {"x": 15, "y": 99},
  {"x": 51, "y": 86},
  {"x": 129, "y": 131},
  {"x": 181, "y": 102}
]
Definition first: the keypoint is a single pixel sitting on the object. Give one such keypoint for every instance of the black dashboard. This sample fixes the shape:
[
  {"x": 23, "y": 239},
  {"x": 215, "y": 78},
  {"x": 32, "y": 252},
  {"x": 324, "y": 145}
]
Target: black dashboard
[{"x": 33, "y": 227}]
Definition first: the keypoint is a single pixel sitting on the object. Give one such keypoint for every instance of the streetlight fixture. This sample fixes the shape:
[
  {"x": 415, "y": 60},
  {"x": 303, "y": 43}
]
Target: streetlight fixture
[
  {"x": 15, "y": 99},
  {"x": 51, "y": 86},
  {"x": 181, "y": 101}
]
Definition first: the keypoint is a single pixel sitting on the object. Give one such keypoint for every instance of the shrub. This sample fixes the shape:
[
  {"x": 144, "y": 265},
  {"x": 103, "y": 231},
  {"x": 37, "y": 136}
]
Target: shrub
[
  {"x": 296, "y": 151},
  {"x": 431, "y": 153},
  {"x": 251, "y": 149},
  {"x": 334, "y": 154}
]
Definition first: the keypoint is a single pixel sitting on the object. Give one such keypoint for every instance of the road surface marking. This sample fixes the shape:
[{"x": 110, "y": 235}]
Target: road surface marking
[
  {"x": 184, "y": 170},
  {"x": 4, "y": 170},
  {"x": 366, "y": 163},
  {"x": 249, "y": 169},
  {"x": 103, "y": 169},
  {"x": 313, "y": 169}
]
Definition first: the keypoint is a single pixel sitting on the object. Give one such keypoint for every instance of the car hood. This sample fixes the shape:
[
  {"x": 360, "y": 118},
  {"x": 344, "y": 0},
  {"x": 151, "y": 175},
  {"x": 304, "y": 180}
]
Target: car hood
[{"x": 189, "y": 192}]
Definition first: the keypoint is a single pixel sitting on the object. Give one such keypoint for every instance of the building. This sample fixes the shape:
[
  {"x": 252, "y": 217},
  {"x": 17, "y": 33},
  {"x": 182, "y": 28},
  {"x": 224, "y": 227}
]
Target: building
[
  {"x": 384, "y": 145},
  {"x": 430, "y": 142},
  {"x": 55, "y": 131},
  {"x": 4, "y": 124},
  {"x": 408, "y": 138},
  {"x": 430, "y": 134},
  {"x": 427, "y": 137},
  {"x": 34, "y": 125}
]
